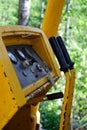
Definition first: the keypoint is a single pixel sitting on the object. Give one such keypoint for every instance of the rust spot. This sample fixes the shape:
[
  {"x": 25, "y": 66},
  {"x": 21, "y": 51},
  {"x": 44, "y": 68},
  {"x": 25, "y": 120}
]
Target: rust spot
[
  {"x": 9, "y": 83},
  {"x": 64, "y": 114},
  {"x": 31, "y": 119},
  {"x": 13, "y": 98},
  {"x": 5, "y": 74},
  {"x": 11, "y": 90}
]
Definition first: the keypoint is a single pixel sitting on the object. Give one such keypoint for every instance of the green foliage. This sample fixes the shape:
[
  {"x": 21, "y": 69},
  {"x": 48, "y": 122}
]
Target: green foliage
[
  {"x": 36, "y": 12},
  {"x": 50, "y": 115},
  {"x": 8, "y": 12}
]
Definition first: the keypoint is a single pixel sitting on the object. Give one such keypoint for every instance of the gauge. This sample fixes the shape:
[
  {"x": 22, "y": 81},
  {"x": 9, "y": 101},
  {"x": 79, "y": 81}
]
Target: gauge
[
  {"x": 20, "y": 54},
  {"x": 12, "y": 57}
]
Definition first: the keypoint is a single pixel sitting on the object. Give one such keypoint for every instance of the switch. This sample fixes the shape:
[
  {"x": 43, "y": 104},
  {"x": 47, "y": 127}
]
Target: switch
[
  {"x": 49, "y": 76},
  {"x": 35, "y": 68},
  {"x": 39, "y": 67},
  {"x": 25, "y": 63},
  {"x": 20, "y": 55},
  {"x": 24, "y": 73},
  {"x": 12, "y": 57},
  {"x": 28, "y": 54}
]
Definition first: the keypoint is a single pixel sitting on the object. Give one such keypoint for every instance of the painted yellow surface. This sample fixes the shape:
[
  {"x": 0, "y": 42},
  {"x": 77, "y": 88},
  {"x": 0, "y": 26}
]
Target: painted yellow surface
[
  {"x": 52, "y": 17},
  {"x": 67, "y": 102},
  {"x": 70, "y": 99},
  {"x": 8, "y": 104}
]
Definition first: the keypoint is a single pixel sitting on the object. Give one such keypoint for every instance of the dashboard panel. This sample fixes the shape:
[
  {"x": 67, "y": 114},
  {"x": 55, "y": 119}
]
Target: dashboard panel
[{"x": 29, "y": 67}]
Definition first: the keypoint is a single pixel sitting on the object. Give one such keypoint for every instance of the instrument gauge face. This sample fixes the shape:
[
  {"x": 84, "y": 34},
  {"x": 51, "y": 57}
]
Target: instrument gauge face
[{"x": 12, "y": 57}]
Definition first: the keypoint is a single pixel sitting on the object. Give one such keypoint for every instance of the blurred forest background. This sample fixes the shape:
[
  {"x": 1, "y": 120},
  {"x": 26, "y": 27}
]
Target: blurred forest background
[{"x": 73, "y": 29}]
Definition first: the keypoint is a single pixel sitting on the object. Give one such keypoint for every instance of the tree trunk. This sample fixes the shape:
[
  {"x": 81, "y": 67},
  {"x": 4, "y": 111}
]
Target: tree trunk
[{"x": 23, "y": 12}]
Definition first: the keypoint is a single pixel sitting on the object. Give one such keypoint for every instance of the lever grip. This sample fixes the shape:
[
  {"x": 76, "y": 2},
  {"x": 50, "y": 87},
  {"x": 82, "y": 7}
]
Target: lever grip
[
  {"x": 53, "y": 96},
  {"x": 58, "y": 52},
  {"x": 65, "y": 52}
]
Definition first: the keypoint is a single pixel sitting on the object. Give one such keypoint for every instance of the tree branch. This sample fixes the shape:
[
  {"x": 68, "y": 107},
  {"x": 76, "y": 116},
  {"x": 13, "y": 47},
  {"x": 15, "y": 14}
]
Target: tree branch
[{"x": 81, "y": 127}]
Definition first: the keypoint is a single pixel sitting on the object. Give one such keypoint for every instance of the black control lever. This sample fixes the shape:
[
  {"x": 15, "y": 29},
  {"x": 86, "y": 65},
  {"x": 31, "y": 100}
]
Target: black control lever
[
  {"x": 22, "y": 57},
  {"x": 58, "y": 52},
  {"x": 28, "y": 54},
  {"x": 53, "y": 96},
  {"x": 12, "y": 57},
  {"x": 65, "y": 52},
  {"x": 20, "y": 54}
]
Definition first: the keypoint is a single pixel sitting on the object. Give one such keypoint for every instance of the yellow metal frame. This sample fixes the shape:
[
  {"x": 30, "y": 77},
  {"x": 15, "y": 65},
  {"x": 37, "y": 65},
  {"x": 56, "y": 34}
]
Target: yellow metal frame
[
  {"x": 67, "y": 102},
  {"x": 8, "y": 104},
  {"x": 16, "y": 35},
  {"x": 52, "y": 17}
]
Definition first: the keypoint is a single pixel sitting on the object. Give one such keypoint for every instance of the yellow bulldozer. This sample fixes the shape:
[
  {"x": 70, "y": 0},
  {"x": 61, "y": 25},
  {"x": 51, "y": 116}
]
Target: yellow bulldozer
[{"x": 29, "y": 67}]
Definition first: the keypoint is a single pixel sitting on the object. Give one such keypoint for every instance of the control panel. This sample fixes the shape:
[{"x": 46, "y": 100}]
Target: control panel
[
  {"x": 28, "y": 66},
  {"x": 28, "y": 69}
]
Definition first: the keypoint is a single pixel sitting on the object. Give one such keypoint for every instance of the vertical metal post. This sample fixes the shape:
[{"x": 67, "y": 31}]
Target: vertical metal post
[
  {"x": 65, "y": 101},
  {"x": 70, "y": 99},
  {"x": 52, "y": 17}
]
